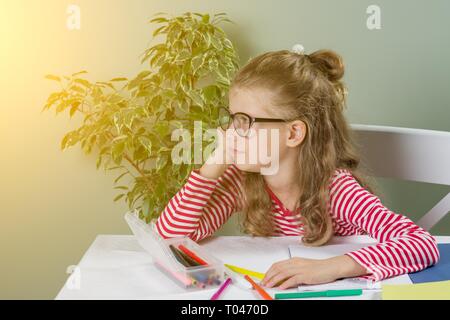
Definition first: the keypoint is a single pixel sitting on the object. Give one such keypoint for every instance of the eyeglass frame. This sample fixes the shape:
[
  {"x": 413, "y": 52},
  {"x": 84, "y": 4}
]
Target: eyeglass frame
[{"x": 252, "y": 119}]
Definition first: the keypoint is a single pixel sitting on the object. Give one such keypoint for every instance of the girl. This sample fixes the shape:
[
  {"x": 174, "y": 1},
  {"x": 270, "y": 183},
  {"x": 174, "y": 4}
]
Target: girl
[{"x": 317, "y": 190}]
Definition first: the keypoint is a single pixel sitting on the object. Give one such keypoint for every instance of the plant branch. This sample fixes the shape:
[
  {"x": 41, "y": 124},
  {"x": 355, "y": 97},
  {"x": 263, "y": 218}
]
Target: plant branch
[{"x": 144, "y": 176}]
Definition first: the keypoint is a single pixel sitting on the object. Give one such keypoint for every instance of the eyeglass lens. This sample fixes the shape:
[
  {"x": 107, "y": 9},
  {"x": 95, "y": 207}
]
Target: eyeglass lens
[{"x": 241, "y": 122}]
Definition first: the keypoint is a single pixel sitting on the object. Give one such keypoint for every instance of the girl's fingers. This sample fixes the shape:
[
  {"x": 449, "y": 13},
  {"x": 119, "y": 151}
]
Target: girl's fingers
[
  {"x": 275, "y": 269},
  {"x": 293, "y": 281},
  {"x": 281, "y": 276}
]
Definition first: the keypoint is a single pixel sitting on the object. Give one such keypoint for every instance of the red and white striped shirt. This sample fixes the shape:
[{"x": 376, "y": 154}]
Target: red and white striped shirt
[{"x": 203, "y": 205}]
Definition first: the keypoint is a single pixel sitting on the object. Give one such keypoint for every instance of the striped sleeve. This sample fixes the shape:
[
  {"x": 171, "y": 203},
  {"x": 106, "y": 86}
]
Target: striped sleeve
[
  {"x": 403, "y": 247},
  {"x": 201, "y": 206}
]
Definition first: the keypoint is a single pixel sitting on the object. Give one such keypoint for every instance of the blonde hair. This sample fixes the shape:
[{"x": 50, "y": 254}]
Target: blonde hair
[{"x": 307, "y": 87}]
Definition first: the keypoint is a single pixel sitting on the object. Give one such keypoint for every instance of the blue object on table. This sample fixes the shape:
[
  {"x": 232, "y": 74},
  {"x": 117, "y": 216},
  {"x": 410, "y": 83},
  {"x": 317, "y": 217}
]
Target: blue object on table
[{"x": 437, "y": 272}]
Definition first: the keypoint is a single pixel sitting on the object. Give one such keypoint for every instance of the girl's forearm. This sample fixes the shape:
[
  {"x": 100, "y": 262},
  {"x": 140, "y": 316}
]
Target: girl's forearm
[
  {"x": 346, "y": 267},
  {"x": 212, "y": 170}
]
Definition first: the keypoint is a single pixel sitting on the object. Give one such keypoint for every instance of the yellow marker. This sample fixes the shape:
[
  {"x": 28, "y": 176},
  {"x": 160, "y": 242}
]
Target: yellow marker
[{"x": 251, "y": 273}]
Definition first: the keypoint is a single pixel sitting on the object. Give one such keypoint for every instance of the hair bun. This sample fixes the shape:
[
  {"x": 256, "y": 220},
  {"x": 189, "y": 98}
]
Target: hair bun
[{"x": 329, "y": 63}]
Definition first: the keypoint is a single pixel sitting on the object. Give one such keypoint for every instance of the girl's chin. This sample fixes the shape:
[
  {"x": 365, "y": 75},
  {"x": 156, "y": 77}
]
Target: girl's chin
[{"x": 248, "y": 167}]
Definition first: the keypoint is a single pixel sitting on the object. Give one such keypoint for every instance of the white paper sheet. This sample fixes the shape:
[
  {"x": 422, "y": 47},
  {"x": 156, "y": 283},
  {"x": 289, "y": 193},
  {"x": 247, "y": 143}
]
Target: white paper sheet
[{"x": 254, "y": 253}]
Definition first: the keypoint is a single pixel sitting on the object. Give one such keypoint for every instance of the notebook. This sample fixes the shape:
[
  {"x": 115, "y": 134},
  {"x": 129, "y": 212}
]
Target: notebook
[
  {"x": 437, "y": 290},
  {"x": 329, "y": 251},
  {"x": 437, "y": 272}
]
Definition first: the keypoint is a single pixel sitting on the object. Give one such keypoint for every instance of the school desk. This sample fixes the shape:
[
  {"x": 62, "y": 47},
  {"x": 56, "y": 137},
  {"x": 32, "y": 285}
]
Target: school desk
[{"x": 116, "y": 267}]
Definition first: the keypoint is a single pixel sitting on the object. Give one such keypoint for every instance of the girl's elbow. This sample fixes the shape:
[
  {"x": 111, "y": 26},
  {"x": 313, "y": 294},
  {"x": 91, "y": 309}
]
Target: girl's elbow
[
  {"x": 429, "y": 242},
  {"x": 435, "y": 250},
  {"x": 197, "y": 235},
  {"x": 162, "y": 233}
]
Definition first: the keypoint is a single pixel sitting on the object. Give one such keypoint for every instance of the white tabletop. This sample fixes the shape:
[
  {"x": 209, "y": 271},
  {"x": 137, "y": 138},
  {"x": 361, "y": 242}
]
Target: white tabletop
[{"x": 116, "y": 267}]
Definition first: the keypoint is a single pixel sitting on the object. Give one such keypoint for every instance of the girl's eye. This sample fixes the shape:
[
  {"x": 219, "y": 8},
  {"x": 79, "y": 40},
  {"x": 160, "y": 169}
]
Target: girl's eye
[{"x": 242, "y": 119}]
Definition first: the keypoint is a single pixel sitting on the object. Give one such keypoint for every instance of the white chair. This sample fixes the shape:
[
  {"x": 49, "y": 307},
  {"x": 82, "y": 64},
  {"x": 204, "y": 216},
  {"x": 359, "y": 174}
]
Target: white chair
[
  {"x": 398, "y": 153},
  {"x": 408, "y": 154}
]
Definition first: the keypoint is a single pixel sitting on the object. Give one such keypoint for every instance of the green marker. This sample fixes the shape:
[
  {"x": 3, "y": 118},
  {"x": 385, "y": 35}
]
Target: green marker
[{"x": 314, "y": 294}]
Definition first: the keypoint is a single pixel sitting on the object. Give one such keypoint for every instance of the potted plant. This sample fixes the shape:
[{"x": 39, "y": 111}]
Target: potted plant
[{"x": 128, "y": 122}]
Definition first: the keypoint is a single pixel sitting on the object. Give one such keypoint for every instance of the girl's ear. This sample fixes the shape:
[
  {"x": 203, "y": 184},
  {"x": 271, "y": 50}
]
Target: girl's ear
[{"x": 296, "y": 133}]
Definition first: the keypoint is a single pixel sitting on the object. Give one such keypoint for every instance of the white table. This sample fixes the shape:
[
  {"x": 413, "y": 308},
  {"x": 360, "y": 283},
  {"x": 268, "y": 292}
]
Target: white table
[{"x": 116, "y": 267}]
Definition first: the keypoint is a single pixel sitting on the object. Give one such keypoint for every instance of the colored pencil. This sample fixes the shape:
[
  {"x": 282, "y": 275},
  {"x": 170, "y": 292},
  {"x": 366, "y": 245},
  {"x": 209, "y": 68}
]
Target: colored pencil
[
  {"x": 313, "y": 294},
  {"x": 192, "y": 262},
  {"x": 251, "y": 273},
  {"x": 192, "y": 255},
  {"x": 238, "y": 279},
  {"x": 179, "y": 256},
  {"x": 260, "y": 290},
  {"x": 225, "y": 284}
]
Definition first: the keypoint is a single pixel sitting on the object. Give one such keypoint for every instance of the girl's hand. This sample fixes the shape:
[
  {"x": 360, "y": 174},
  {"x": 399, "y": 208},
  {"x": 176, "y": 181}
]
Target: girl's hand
[
  {"x": 297, "y": 271},
  {"x": 222, "y": 154},
  {"x": 220, "y": 158}
]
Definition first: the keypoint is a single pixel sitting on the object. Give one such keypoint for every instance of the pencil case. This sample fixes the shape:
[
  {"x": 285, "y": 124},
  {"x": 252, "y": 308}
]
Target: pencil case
[{"x": 188, "y": 277}]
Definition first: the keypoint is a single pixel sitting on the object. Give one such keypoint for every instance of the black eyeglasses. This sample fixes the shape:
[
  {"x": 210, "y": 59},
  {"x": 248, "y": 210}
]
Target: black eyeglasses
[{"x": 242, "y": 122}]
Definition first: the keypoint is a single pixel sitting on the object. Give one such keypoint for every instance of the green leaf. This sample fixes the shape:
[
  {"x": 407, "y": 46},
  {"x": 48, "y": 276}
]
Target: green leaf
[
  {"x": 138, "y": 79},
  {"x": 118, "y": 138},
  {"x": 161, "y": 162},
  {"x": 228, "y": 43},
  {"x": 146, "y": 204},
  {"x": 207, "y": 38},
  {"x": 99, "y": 162},
  {"x": 209, "y": 93},
  {"x": 118, "y": 79},
  {"x": 83, "y": 82},
  {"x": 205, "y": 18},
  {"x": 196, "y": 62},
  {"x": 219, "y": 14},
  {"x": 114, "y": 98},
  {"x": 117, "y": 152},
  {"x": 196, "y": 98},
  {"x": 216, "y": 43},
  {"x": 53, "y": 77},
  {"x": 116, "y": 167},
  {"x": 104, "y": 150},
  {"x": 120, "y": 196},
  {"x": 120, "y": 176},
  {"x": 144, "y": 74},
  {"x": 64, "y": 141},
  {"x": 119, "y": 147},
  {"x": 176, "y": 124},
  {"x": 116, "y": 121},
  {"x": 74, "y": 109},
  {"x": 61, "y": 107},
  {"x": 78, "y": 73},
  {"x": 159, "y": 31},
  {"x": 146, "y": 143},
  {"x": 183, "y": 55},
  {"x": 159, "y": 20},
  {"x": 77, "y": 89},
  {"x": 162, "y": 128},
  {"x": 105, "y": 84}
]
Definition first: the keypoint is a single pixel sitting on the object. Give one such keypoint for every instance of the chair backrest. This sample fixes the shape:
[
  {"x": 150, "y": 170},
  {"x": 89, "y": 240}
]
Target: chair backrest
[{"x": 407, "y": 154}]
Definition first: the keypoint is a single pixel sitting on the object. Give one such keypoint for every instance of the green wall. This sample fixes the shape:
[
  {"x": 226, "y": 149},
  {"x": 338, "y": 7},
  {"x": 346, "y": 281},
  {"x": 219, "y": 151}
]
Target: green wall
[{"x": 53, "y": 203}]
